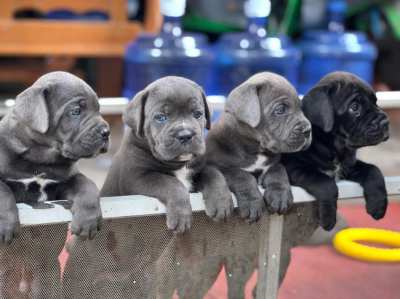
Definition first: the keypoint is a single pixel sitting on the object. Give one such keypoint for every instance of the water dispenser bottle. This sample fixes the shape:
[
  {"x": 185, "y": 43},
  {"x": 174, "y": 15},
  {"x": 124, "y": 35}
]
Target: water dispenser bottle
[
  {"x": 172, "y": 52},
  {"x": 240, "y": 55},
  {"x": 335, "y": 49}
]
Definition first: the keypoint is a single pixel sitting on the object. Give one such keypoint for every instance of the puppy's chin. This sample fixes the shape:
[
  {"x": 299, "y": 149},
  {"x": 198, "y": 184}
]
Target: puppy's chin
[
  {"x": 185, "y": 157},
  {"x": 306, "y": 144},
  {"x": 369, "y": 140},
  {"x": 71, "y": 154},
  {"x": 177, "y": 154},
  {"x": 285, "y": 146}
]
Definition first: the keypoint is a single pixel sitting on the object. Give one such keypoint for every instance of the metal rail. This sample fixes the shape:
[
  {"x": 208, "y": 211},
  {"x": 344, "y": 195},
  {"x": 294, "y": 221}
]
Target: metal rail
[
  {"x": 116, "y": 105},
  {"x": 141, "y": 206}
]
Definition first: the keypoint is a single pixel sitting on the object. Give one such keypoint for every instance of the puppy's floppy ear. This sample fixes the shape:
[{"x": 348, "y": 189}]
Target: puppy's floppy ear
[
  {"x": 318, "y": 108},
  {"x": 133, "y": 115},
  {"x": 244, "y": 103},
  {"x": 31, "y": 108},
  {"x": 206, "y": 110}
]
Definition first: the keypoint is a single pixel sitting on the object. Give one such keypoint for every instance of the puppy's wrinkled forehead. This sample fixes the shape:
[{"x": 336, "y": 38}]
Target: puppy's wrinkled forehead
[
  {"x": 352, "y": 83},
  {"x": 344, "y": 87},
  {"x": 174, "y": 91},
  {"x": 64, "y": 87},
  {"x": 273, "y": 86}
]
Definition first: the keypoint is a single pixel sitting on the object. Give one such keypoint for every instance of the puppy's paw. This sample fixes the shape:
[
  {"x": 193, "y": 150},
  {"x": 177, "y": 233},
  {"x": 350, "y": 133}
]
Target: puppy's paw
[
  {"x": 219, "y": 209},
  {"x": 377, "y": 206},
  {"x": 179, "y": 217},
  {"x": 86, "y": 222},
  {"x": 327, "y": 215},
  {"x": 9, "y": 228},
  {"x": 251, "y": 210},
  {"x": 278, "y": 200}
]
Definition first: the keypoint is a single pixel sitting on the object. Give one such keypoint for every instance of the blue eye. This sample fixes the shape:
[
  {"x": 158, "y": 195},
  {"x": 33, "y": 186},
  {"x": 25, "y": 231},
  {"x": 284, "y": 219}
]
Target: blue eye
[
  {"x": 76, "y": 111},
  {"x": 197, "y": 114},
  {"x": 161, "y": 118}
]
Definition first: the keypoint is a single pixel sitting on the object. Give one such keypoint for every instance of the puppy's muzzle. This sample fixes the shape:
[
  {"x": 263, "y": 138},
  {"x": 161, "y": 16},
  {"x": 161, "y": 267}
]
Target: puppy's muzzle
[
  {"x": 379, "y": 128},
  {"x": 185, "y": 136},
  {"x": 302, "y": 130},
  {"x": 300, "y": 137}
]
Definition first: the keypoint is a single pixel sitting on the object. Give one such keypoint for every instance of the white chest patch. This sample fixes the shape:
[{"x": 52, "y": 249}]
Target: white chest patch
[
  {"x": 184, "y": 176},
  {"x": 42, "y": 182},
  {"x": 336, "y": 173},
  {"x": 260, "y": 163}
]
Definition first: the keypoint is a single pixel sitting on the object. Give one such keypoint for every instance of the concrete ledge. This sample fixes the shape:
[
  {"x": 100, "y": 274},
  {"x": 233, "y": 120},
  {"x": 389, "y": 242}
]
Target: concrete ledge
[{"x": 139, "y": 206}]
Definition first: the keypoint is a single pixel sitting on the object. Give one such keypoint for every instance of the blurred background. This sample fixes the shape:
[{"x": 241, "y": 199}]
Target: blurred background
[
  {"x": 217, "y": 43},
  {"x": 119, "y": 46}
]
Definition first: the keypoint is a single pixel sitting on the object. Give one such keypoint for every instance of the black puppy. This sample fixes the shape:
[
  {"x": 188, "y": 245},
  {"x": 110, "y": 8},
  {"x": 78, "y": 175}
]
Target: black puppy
[{"x": 344, "y": 116}]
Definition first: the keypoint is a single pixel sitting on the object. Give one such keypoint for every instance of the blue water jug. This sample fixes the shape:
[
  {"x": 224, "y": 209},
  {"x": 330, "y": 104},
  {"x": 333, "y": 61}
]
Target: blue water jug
[
  {"x": 240, "y": 55},
  {"x": 334, "y": 50},
  {"x": 172, "y": 52}
]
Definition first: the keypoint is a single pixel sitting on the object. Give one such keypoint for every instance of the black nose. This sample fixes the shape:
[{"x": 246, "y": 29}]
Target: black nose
[
  {"x": 105, "y": 132},
  {"x": 307, "y": 132},
  {"x": 185, "y": 136},
  {"x": 384, "y": 123}
]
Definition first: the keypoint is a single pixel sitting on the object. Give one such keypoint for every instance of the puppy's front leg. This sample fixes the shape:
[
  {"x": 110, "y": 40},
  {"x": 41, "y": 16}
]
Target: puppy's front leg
[
  {"x": 216, "y": 194},
  {"x": 249, "y": 198},
  {"x": 9, "y": 220},
  {"x": 277, "y": 195},
  {"x": 171, "y": 192},
  {"x": 86, "y": 212},
  {"x": 371, "y": 179},
  {"x": 323, "y": 188}
]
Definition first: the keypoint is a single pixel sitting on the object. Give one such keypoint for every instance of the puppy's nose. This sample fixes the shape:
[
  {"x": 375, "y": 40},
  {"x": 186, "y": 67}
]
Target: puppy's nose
[
  {"x": 307, "y": 132},
  {"x": 105, "y": 132},
  {"x": 185, "y": 136},
  {"x": 384, "y": 123}
]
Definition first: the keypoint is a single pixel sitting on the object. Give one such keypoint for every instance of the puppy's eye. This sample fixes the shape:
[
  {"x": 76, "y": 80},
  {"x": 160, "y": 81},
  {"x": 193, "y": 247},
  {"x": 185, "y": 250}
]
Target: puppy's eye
[
  {"x": 197, "y": 114},
  {"x": 280, "y": 109},
  {"x": 355, "y": 108},
  {"x": 161, "y": 118},
  {"x": 76, "y": 111}
]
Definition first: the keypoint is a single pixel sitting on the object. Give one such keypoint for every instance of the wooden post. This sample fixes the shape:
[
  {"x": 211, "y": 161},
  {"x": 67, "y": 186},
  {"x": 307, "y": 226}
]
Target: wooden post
[{"x": 269, "y": 256}]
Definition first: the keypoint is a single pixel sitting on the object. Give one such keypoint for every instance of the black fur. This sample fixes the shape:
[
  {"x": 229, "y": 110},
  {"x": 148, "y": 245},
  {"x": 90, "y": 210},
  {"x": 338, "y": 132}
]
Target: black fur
[{"x": 344, "y": 116}]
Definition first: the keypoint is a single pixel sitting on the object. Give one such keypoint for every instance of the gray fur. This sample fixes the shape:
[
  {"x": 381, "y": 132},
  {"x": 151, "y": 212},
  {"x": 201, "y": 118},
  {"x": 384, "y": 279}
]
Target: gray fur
[
  {"x": 41, "y": 138},
  {"x": 262, "y": 119},
  {"x": 153, "y": 158}
]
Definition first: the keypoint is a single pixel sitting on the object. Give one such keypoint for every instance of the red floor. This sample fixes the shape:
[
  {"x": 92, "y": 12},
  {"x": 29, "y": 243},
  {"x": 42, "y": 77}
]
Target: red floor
[{"x": 320, "y": 272}]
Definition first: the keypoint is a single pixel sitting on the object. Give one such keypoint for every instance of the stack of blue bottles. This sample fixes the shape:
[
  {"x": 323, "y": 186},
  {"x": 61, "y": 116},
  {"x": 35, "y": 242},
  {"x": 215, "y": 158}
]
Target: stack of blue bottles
[
  {"x": 335, "y": 50},
  {"x": 240, "y": 55},
  {"x": 172, "y": 52}
]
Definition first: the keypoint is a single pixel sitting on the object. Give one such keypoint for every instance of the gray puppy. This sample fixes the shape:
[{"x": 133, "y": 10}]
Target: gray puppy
[
  {"x": 262, "y": 119},
  {"x": 54, "y": 123},
  {"x": 162, "y": 156},
  {"x": 162, "y": 152}
]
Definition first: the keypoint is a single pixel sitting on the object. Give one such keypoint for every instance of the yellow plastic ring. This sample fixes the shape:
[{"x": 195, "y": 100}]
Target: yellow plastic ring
[{"x": 345, "y": 242}]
